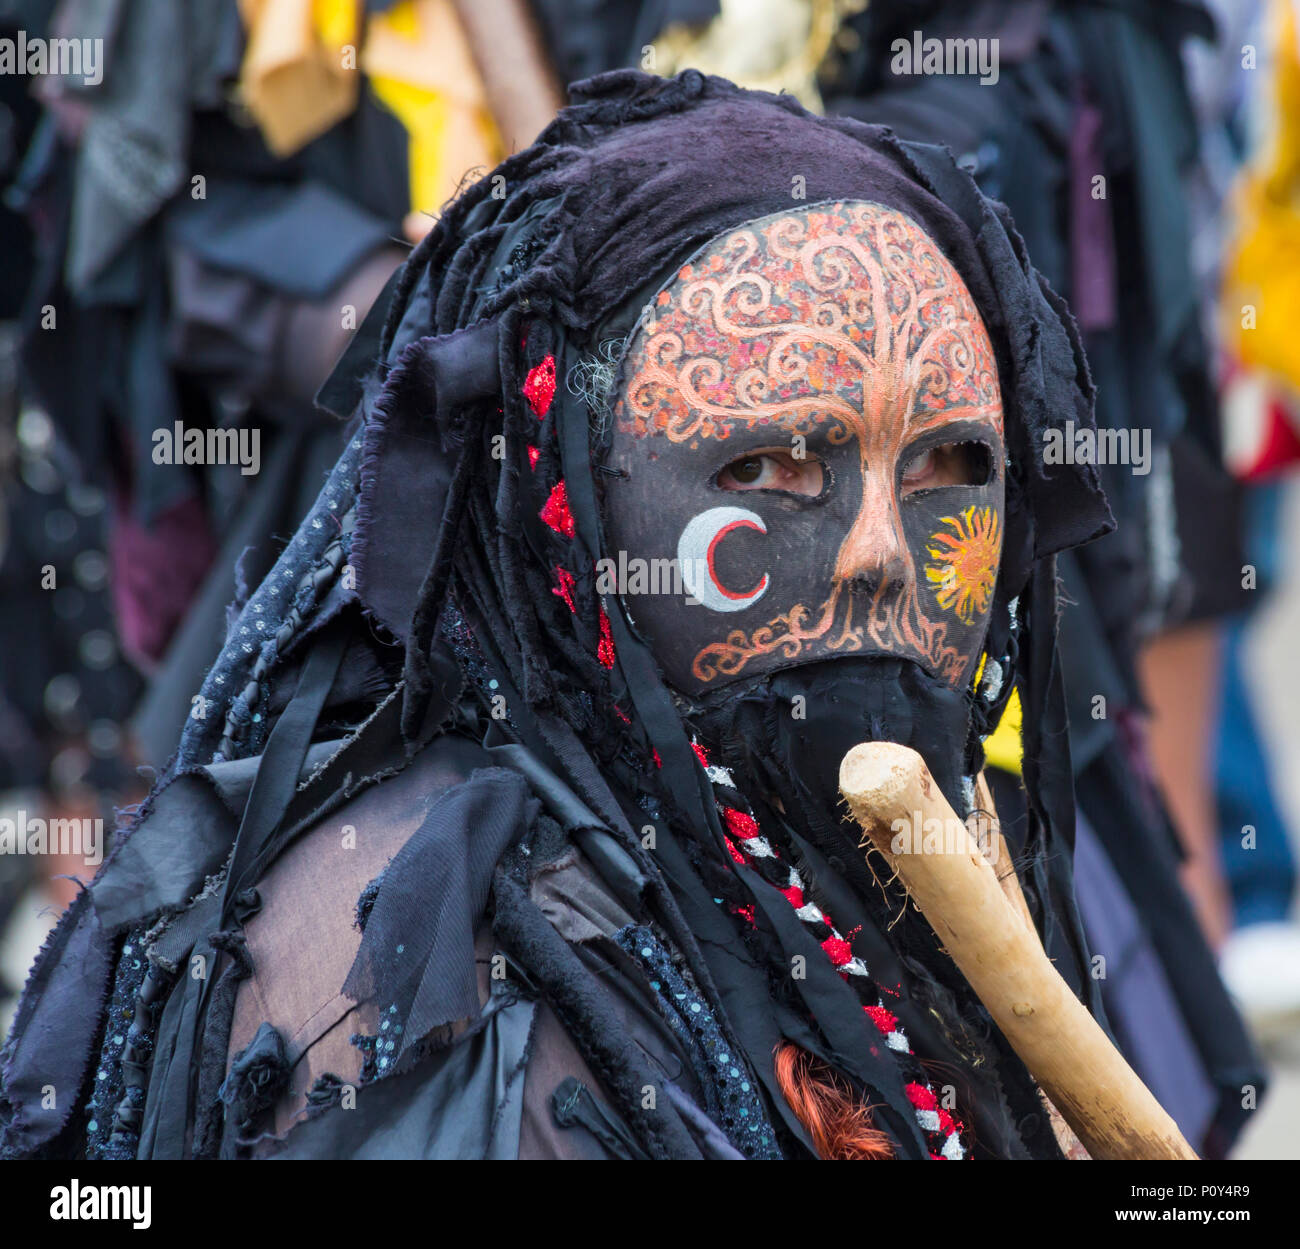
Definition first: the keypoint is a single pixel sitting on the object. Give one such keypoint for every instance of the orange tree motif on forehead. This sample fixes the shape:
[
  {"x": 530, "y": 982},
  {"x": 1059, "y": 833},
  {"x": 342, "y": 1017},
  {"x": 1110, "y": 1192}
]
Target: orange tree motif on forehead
[{"x": 847, "y": 316}]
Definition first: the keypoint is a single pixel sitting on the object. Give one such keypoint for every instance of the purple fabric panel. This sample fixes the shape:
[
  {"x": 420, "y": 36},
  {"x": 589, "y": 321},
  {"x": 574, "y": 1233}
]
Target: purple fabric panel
[
  {"x": 156, "y": 570},
  {"x": 54, "y": 1032},
  {"x": 1092, "y": 243},
  {"x": 1143, "y": 1012}
]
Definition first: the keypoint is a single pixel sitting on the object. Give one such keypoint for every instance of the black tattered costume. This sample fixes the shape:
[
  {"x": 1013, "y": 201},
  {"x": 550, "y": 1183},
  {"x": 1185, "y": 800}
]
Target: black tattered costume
[{"x": 502, "y": 912}]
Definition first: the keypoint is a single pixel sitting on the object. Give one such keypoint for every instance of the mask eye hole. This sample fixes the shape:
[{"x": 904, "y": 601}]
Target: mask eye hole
[
  {"x": 948, "y": 464},
  {"x": 773, "y": 470}
]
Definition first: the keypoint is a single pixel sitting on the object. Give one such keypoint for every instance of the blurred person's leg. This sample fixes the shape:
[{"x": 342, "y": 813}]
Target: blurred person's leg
[
  {"x": 1257, "y": 854},
  {"x": 66, "y": 871},
  {"x": 1180, "y": 678},
  {"x": 1180, "y": 668},
  {"x": 1260, "y": 961}
]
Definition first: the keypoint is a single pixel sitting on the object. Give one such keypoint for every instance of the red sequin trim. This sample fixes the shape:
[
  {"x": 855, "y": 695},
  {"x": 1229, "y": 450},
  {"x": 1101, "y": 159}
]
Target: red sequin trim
[
  {"x": 884, "y": 1019},
  {"x": 605, "y": 648},
  {"x": 731, "y": 850},
  {"x": 699, "y": 754},
  {"x": 565, "y": 590},
  {"x": 539, "y": 386},
  {"x": 837, "y": 950},
  {"x": 741, "y": 825},
  {"x": 922, "y": 1098},
  {"x": 556, "y": 512},
  {"x": 533, "y": 456}
]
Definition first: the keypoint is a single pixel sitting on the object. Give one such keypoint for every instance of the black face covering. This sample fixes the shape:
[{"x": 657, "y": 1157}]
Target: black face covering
[{"x": 789, "y": 731}]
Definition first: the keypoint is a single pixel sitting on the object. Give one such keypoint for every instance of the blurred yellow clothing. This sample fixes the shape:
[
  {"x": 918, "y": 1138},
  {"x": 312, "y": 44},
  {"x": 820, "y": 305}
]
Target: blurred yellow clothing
[
  {"x": 420, "y": 65},
  {"x": 1003, "y": 747},
  {"x": 300, "y": 77},
  {"x": 1262, "y": 264},
  {"x": 299, "y": 74}
]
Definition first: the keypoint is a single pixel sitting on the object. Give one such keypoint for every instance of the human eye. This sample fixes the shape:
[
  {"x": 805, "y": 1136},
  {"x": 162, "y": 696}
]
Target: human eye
[
  {"x": 773, "y": 470},
  {"x": 949, "y": 464}
]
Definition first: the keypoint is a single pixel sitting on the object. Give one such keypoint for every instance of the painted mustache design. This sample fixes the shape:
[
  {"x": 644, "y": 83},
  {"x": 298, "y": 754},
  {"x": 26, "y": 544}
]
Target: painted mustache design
[{"x": 965, "y": 573}]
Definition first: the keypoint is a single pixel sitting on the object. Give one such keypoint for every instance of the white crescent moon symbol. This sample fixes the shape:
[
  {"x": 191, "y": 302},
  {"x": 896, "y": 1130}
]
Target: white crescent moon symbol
[{"x": 695, "y": 553}]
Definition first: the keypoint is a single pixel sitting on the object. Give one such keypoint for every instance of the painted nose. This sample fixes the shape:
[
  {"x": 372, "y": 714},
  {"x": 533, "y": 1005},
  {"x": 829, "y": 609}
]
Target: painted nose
[{"x": 873, "y": 555}]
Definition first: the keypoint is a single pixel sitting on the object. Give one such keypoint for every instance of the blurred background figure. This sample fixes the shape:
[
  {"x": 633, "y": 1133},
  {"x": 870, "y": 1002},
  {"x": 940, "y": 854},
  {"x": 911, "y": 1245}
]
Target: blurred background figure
[
  {"x": 196, "y": 238},
  {"x": 191, "y": 235},
  {"x": 1254, "y": 115}
]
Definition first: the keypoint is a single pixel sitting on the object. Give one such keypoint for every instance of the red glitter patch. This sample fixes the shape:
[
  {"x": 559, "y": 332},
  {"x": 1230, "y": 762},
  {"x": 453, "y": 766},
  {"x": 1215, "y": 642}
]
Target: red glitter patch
[
  {"x": 539, "y": 386},
  {"x": 742, "y": 826},
  {"x": 746, "y": 913},
  {"x": 699, "y": 754},
  {"x": 794, "y": 895},
  {"x": 605, "y": 648},
  {"x": 565, "y": 591},
  {"x": 884, "y": 1019},
  {"x": 837, "y": 950},
  {"x": 659, "y": 763},
  {"x": 731, "y": 850},
  {"x": 921, "y": 1097},
  {"x": 533, "y": 456},
  {"x": 556, "y": 512}
]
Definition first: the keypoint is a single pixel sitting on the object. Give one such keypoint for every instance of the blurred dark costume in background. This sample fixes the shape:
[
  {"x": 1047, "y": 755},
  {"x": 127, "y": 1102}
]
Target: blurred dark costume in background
[
  {"x": 169, "y": 262},
  {"x": 175, "y": 262}
]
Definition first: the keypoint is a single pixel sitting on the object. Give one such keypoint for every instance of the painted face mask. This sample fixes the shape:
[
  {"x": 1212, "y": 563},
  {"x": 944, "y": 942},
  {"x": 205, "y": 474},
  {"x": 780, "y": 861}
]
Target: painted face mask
[{"x": 808, "y": 442}]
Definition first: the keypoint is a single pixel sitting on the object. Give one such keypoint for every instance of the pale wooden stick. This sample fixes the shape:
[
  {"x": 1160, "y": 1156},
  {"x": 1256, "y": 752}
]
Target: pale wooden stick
[
  {"x": 989, "y": 831},
  {"x": 1114, "y": 1114}
]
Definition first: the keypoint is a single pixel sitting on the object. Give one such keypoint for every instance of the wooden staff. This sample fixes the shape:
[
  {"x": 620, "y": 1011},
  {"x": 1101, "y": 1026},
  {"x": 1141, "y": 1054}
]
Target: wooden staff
[{"x": 888, "y": 789}]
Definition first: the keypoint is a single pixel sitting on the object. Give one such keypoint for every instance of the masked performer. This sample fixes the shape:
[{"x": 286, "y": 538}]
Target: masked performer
[{"x": 701, "y": 441}]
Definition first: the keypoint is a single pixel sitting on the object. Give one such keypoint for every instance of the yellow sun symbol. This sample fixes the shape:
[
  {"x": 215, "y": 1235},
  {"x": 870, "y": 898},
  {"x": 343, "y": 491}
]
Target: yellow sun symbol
[{"x": 967, "y": 562}]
